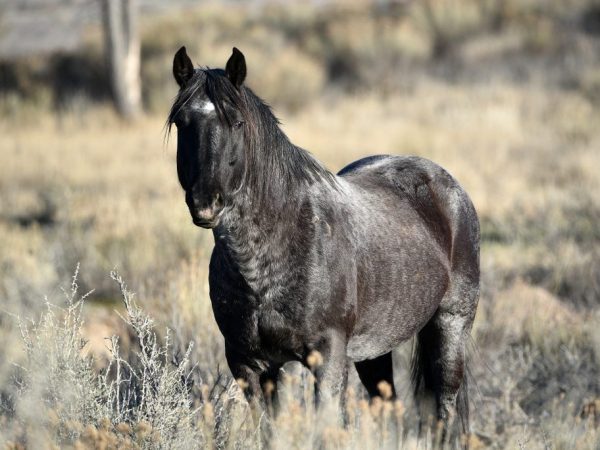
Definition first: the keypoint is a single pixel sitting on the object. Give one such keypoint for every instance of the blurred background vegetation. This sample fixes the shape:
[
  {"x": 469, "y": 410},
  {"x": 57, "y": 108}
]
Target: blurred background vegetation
[
  {"x": 503, "y": 93},
  {"x": 310, "y": 47}
]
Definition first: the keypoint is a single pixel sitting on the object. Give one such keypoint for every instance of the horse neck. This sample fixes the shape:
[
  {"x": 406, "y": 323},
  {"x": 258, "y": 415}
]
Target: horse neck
[
  {"x": 262, "y": 223},
  {"x": 258, "y": 242},
  {"x": 264, "y": 216}
]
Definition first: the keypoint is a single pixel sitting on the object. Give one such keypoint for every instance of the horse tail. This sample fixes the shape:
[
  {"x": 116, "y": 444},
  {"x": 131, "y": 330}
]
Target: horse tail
[
  {"x": 422, "y": 374},
  {"x": 462, "y": 401}
]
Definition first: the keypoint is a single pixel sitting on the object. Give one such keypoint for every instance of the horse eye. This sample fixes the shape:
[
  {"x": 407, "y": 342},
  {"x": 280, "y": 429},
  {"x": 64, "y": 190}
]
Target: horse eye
[{"x": 238, "y": 124}]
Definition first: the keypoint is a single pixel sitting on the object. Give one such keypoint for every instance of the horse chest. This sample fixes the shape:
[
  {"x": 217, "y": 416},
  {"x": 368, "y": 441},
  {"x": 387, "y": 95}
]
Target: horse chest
[
  {"x": 266, "y": 331},
  {"x": 267, "y": 270},
  {"x": 278, "y": 334},
  {"x": 257, "y": 308}
]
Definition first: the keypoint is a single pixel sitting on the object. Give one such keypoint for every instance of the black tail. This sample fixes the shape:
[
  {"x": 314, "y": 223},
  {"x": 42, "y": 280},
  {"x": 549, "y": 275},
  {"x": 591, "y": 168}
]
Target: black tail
[
  {"x": 426, "y": 377},
  {"x": 462, "y": 402}
]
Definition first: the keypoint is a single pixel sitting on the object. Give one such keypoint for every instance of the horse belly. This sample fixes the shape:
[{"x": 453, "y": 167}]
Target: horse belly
[{"x": 399, "y": 290}]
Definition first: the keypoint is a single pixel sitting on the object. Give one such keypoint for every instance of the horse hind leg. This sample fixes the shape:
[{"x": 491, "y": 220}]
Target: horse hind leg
[
  {"x": 450, "y": 398},
  {"x": 439, "y": 368},
  {"x": 374, "y": 371},
  {"x": 439, "y": 364}
]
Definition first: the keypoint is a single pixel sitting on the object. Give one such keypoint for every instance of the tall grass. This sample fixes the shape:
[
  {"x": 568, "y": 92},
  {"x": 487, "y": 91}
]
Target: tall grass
[{"x": 510, "y": 110}]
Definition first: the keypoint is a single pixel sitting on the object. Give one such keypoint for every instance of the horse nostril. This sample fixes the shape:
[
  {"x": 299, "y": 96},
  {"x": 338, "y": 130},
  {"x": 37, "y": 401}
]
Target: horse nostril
[{"x": 218, "y": 200}]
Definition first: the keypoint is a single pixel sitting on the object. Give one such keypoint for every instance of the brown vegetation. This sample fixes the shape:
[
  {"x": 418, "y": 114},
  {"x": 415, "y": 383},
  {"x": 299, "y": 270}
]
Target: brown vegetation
[{"x": 511, "y": 110}]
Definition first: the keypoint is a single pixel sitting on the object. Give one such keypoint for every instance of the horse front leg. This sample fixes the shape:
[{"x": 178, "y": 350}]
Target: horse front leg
[
  {"x": 248, "y": 378},
  {"x": 331, "y": 373}
]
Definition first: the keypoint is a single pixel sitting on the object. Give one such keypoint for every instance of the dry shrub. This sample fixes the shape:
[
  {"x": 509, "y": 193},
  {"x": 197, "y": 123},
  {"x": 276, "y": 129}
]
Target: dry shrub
[
  {"x": 58, "y": 390},
  {"x": 183, "y": 304},
  {"x": 103, "y": 324},
  {"x": 541, "y": 35},
  {"x": 290, "y": 79},
  {"x": 530, "y": 313},
  {"x": 447, "y": 23},
  {"x": 590, "y": 85}
]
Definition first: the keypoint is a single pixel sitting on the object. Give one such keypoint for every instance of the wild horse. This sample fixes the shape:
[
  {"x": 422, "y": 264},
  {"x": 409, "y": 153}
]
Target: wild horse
[{"x": 349, "y": 265}]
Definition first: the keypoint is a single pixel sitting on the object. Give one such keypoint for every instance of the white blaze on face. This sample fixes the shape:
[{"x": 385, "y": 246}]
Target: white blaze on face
[{"x": 207, "y": 107}]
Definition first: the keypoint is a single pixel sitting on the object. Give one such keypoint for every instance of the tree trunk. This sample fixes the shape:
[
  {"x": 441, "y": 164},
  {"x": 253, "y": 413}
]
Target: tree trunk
[
  {"x": 120, "y": 20},
  {"x": 440, "y": 45}
]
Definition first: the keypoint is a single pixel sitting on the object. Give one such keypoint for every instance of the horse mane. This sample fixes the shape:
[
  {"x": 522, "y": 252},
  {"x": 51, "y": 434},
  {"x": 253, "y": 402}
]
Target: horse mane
[{"x": 274, "y": 166}]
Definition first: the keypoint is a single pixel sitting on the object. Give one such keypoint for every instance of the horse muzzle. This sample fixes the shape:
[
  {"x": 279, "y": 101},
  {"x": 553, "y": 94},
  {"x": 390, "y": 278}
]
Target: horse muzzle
[{"x": 206, "y": 216}]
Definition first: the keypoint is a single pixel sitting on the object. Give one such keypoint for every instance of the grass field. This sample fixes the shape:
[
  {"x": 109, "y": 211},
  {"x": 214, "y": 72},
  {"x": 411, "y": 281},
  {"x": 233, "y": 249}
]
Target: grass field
[{"x": 80, "y": 187}]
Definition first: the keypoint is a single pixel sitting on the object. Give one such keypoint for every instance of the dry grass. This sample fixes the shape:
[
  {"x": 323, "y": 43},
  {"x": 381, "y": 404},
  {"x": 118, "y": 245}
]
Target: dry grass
[{"x": 82, "y": 187}]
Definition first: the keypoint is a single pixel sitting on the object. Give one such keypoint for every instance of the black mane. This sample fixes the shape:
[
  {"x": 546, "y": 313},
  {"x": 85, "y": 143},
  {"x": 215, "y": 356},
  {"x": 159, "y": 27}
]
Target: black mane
[{"x": 274, "y": 165}]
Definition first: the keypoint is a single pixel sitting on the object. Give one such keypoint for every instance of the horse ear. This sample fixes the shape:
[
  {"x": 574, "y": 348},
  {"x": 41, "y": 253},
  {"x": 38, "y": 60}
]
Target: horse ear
[
  {"x": 183, "y": 69},
  {"x": 236, "y": 68}
]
